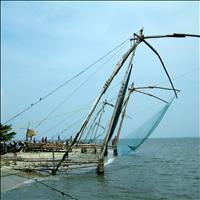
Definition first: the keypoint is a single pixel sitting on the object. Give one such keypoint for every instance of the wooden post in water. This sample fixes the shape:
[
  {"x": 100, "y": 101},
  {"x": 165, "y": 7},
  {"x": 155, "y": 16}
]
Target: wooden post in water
[
  {"x": 53, "y": 157},
  {"x": 100, "y": 166},
  {"x": 53, "y": 160}
]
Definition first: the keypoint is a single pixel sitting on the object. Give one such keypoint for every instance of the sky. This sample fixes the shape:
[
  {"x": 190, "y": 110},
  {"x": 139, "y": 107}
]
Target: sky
[{"x": 43, "y": 44}]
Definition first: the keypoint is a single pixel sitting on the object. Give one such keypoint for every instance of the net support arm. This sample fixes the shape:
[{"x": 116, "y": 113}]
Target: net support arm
[
  {"x": 174, "y": 35},
  {"x": 163, "y": 65},
  {"x": 151, "y": 95},
  {"x": 155, "y": 87}
]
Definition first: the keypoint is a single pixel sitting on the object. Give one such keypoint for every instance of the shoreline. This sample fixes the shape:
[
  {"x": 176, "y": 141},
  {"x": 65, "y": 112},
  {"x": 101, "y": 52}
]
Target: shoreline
[
  {"x": 17, "y": 169},
  {"x": 12, "y": 178}
]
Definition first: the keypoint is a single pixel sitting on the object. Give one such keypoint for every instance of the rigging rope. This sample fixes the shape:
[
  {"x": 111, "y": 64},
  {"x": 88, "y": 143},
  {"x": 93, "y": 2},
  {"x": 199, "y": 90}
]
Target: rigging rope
[
  {"x": 180, "y": 76},
  {"x": 67, "y": 128},
  {"x": 66, "y": 82},
  {"x": 60, "y": 122},
  {"x": 42, "y": 183},
  {"x": 83, "y": 83},
  {"x": 71, "y": 112},
  {"x": 93, "y": 122}
]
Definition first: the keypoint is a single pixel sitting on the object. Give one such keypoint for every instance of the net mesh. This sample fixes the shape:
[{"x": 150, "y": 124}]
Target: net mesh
[{"x": 139, "y": 135}]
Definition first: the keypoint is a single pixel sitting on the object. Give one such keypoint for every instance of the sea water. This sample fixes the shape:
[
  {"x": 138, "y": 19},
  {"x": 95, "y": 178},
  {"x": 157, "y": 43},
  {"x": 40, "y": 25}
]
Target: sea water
[{"x": 161, "y": 169}]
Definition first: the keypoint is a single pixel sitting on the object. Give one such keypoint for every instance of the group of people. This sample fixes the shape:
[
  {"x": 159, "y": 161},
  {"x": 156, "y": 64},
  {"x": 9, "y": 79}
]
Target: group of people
[
  {"x": 11, "y": 147},
  {"x": 44, "y": 140}
]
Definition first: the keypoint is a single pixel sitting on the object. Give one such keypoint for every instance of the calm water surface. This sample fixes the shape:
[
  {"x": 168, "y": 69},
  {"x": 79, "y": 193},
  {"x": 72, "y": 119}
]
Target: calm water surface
[{"x": 162, "y": 169}]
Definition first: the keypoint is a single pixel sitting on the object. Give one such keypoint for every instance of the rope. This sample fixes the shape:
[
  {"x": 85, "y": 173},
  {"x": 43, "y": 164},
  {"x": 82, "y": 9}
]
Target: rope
[
  {"x": 66, "y": 82},
  {"x": 63, "y": 193},
  {"x": 40, "y": 182},
  {"x": 67, "y": 128},
  {"x": 83, "y": 83},
  {"x": 93, "y": 122},
  {"x": 179, "y": 76},
  {"x": 71, "y": 112},
  {"x": 60, "y": 122}
]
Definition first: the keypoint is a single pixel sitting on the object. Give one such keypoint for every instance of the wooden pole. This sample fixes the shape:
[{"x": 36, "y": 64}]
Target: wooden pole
[
  {"x": 122, "y": 117},
  {"x": 117, "y": 109}
]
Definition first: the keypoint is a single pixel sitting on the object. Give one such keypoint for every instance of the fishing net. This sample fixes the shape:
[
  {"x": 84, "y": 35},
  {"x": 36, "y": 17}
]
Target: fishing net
[{"x": 139, "y": 135}]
